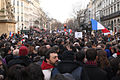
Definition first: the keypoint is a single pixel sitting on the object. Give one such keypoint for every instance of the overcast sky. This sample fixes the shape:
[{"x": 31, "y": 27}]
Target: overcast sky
[{"x": 62, "y": 9}]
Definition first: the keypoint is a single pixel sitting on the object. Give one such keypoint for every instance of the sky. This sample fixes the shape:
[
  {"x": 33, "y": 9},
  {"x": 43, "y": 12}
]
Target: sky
[{"x": 62, "y": 9}]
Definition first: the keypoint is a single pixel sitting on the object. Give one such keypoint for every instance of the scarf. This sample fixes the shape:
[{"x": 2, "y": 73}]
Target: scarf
[
  {"x": 45, "y": 65},
  {"x": 91, "y": 62},
  {"x": 118, "y": 53}
]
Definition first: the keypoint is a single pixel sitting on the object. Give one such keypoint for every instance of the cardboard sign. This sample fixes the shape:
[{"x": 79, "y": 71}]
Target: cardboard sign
[{"x": 78, "y": 35}]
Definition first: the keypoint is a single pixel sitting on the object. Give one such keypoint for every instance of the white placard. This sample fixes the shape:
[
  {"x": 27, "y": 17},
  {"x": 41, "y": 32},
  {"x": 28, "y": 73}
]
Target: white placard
[{"x": 78, "y": 35}]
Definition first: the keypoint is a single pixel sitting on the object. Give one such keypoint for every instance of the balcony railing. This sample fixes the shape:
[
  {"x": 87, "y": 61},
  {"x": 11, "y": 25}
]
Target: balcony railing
[{"x": 113, "y": 15}]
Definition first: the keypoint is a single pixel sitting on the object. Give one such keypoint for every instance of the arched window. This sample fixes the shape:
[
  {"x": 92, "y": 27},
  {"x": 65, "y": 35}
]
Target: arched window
[
  {"x": 114, "y": 7},
  {"x": 115, "y": 22}
]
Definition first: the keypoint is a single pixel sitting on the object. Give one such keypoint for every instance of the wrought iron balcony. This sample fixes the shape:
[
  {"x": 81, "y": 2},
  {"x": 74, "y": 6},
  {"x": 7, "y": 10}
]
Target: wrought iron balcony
[{"x": 113, "y": 15}]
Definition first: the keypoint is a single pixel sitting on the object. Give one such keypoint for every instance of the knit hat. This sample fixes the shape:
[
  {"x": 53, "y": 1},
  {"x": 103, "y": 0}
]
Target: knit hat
[{"x": 23, "y": 51}]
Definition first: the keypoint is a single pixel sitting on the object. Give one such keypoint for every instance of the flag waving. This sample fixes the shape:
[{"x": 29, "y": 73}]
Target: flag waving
[
  {"x": 97, "y": 26},
  {"x": 105, "y": 30}
]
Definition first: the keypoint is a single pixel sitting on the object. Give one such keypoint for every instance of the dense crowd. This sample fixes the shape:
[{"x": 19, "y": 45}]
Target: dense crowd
[{"x": 57, "y": 56}]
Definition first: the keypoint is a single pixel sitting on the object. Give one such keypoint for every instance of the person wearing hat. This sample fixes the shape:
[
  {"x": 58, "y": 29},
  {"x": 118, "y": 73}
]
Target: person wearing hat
[{"x": 22, "y": 58}]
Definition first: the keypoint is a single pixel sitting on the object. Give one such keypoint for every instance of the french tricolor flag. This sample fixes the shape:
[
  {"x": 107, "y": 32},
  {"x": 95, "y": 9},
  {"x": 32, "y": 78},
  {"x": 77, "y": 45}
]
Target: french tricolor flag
[{"x": 97, "y": 26}]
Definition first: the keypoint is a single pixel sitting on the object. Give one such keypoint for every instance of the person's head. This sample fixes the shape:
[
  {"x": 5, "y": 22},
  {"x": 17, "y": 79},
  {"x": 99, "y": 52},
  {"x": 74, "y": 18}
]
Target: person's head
[
  {"x": 42, "y": 50},
  {"x": 8, "y": 50},
  {"x": 23, "y": 51},
  {"x": 56, "y": 48},
  {"x": 102, "y": 59},
  {"x": 80, "y": 56},
  {"x": 91, "y": 54},
  {"x": 48, "y": 46},
  {"x": 102, "y": 46},
  {"x": 35, "y": 72},
  {"x": 16, "y": 52},
  {"x": 114, "y": 49},
  {"x": 51, "y": 57},
  {"x": 17, "y": 72},
  {"x": 68, "y": 55}
]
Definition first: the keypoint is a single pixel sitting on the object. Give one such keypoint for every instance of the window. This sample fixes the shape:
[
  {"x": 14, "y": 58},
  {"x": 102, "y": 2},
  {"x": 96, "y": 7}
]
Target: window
[
  {"x": 13, "y": 2},
  {"x": 108, "y": 11},
  {"x": 18, "y": 18},
  {"x": 17, "y": 10},
  {"x": 111, "y": 10},
  {"x": 21, "y": 10},
  {"x": 118, "y": 6},
  {"x": 21, "y": 19},
  {"x": 17, "y": 3},
  {"x": 14, "y": 10},
  {"x": 115, "y": 22},
  {"x": 104, "y": 12},
  {"x": 114, "y": 7},
  {"x": 118, "y": 21},
  {"x": 21, "y": 4}
]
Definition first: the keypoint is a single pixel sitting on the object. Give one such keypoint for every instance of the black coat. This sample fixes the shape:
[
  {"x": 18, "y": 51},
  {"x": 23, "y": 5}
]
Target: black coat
[
  {"x": 22, "y": 60},
  {"x": 92, "y": 72},
  {"x": 68, "y": 66},
  {"x": 116, "y": 78}
]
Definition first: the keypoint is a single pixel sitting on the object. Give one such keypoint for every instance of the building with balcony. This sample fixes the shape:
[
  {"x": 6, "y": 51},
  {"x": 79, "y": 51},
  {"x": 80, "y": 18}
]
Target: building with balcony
[
  {"x": 107, "y": 12},
  {"x": 111, "y": 14}
]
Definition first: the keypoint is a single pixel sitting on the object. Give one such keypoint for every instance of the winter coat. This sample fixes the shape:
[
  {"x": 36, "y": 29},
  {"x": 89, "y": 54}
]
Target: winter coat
[
  {"x": 92, "y": 72},
  {"x": 68, "y": 66}
]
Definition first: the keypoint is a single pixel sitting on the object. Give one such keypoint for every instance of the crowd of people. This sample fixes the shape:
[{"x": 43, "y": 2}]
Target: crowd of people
[{"x": 57, "y": 56}]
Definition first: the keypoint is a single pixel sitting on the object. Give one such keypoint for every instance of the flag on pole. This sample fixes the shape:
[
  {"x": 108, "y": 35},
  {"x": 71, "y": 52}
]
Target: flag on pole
[
  {"x": 97, "y": 26},
  {"x": 70, "y": 31}
]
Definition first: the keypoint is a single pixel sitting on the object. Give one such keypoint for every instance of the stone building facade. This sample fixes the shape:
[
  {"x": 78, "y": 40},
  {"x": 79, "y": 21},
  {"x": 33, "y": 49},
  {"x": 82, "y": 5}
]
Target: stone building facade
[
  {"x": 28, "y": 13},
  {"x": 107, "y": 12}
]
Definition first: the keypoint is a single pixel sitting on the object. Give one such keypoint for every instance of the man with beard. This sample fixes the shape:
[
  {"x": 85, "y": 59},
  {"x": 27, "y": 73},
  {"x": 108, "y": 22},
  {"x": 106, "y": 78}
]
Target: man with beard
[{"x": 51, "y": 58}]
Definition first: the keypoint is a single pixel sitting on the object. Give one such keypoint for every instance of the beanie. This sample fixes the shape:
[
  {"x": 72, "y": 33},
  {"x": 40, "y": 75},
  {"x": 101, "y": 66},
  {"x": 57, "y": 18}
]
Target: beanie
[{"x": 23, "y": 51}]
